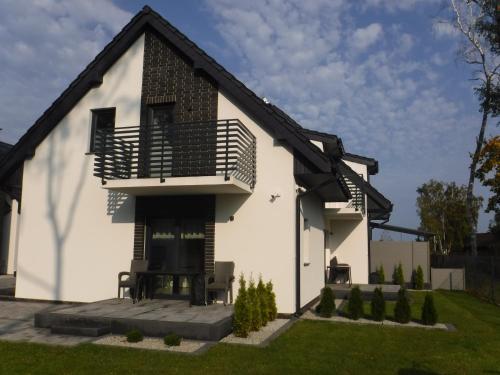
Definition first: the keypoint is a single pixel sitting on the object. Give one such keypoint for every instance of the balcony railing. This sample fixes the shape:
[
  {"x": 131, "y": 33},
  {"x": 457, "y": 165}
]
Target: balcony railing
[
  {"x": 212, "y": 148},
  {"x": 358, "y": 197}
]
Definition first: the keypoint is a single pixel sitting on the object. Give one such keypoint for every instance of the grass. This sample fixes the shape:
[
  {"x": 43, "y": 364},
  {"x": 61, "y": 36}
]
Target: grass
[{"x": 308, "y": 347}]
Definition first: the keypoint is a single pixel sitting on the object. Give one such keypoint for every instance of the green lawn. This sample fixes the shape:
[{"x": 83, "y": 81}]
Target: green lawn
[{"x": 308, "y": 347}]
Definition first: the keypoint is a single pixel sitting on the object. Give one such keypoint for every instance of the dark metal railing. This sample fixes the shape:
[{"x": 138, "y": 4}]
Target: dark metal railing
[
  {"x": 358, "y": 197},
  {"x": 210, "y": 148}
]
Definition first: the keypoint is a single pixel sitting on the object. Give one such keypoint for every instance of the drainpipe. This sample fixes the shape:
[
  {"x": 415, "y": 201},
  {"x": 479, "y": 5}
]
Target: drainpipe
[{"x": 300, "y": 194}]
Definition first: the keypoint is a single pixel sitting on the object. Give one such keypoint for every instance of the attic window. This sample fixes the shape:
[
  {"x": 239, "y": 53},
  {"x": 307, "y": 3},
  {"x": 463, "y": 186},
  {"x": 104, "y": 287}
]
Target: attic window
[{"x": 101, "y": 119}]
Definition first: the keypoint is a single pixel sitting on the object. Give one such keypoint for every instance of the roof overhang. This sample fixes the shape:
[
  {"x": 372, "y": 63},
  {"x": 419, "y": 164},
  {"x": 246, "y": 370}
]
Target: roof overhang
[{"x": 371, "y": 164}]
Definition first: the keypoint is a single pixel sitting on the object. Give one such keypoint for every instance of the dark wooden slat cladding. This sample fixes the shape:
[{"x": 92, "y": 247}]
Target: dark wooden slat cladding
[
  {"x": 209, "y": 246},
  {"x": 139, "y": 229}
]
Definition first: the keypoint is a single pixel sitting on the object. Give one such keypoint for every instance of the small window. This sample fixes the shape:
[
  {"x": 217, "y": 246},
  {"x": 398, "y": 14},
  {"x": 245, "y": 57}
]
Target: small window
[
  {"x": 307, "y": 243},
  {"x": 101, "y": 119}
]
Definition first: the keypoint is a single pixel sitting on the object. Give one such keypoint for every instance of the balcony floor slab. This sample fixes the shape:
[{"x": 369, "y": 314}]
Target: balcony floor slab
[{"x": 179, "y": 185}]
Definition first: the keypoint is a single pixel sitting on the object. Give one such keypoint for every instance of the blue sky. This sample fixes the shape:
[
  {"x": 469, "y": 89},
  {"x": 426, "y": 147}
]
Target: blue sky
[{"x": 382, "y": 74}]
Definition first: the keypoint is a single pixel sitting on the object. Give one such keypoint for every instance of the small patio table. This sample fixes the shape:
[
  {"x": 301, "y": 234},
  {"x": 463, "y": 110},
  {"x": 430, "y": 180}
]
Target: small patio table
[{"x": 144, "y": 282}]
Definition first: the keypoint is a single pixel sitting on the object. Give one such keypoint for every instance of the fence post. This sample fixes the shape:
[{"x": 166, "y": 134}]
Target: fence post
[{"x": 492, "y": 279}]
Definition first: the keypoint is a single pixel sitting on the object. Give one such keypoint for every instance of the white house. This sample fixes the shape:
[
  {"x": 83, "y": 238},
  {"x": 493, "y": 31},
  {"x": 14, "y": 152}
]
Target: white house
[{"x": 156, "y": 152}]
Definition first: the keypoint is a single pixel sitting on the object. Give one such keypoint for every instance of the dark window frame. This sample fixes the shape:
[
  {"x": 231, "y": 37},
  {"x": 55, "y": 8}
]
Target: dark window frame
[{"x": 94, "y": 118}]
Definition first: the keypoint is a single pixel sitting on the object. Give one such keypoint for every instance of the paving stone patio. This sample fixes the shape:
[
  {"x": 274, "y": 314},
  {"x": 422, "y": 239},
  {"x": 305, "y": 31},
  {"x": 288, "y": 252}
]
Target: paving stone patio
[
  {"x": 152, "y": 317},
  {"x": 17, "y": 324}
]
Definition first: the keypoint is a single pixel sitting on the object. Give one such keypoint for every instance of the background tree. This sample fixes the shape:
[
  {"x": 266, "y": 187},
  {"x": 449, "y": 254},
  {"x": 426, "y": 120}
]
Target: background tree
[
  {"x": 441, "y": 207},
  {"x": 475, "y": 20},
  {"x": 488, "y": 173}
]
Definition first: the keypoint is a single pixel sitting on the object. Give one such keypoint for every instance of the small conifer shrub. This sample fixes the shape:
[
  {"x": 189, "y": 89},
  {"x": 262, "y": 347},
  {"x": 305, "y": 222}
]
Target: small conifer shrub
[
  {"x": 134, "y": 336},
  {"x": 355, "y": 304},
  {"x": 402, "y": 311},
  {"x": 326, "y": 306},
  {"x": 381, "y": 275},
  {"x": 378, "y": 305},
  {"x": 254, "y": 303},
  {"x": 398, "y": 276},
  {"x": 419, "y": 278},
  {"x": 429, "y": 313},
  {"x": 172, "y": 339},
  {"x": 264, "y": 302},
  {"x": 241, "y": 317},
  {"x": 271, "y": 299}
]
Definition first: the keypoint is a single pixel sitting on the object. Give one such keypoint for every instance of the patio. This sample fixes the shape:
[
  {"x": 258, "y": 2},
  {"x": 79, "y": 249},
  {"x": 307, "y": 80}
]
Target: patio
[{"x": 151, "y": 317}]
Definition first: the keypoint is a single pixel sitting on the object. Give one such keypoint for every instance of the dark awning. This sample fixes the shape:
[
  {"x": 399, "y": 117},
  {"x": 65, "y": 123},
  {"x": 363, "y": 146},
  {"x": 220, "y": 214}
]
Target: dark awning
[
  {"x": 379, "y": 207},
  {"x": 331, "y": 188},
  {"x": 394, "y": 228}
]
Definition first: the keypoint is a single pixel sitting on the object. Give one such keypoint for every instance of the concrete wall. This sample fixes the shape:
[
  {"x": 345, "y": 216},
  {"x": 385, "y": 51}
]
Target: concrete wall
[
  {"x": 448, "y": 278},
  {"x": 74, "y": 237},
  {"x": 348, "y": 239},
  {"x": 261, "y": 239},
  {"x": 411, "y": 254}
]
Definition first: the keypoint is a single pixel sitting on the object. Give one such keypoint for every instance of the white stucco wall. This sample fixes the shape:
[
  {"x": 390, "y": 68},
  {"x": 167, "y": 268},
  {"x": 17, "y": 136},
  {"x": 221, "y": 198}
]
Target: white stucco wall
[
  {"x": 5, "y": 256},
  {"x": 261, "y": 239},
  {"x": 313, "y": 242},
  {"x": 74, "y": 238},
  {"x": 348, "y": 239}
]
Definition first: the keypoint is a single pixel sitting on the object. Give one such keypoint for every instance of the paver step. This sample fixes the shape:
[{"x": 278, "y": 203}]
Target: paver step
[{"x": 80, "y": 331}]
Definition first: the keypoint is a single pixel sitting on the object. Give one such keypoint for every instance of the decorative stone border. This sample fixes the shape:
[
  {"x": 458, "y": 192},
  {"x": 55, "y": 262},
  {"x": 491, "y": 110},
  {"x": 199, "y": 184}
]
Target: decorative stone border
[
  {"x": 264, "y": 336},
  {"x": 155, "y": 343},
  {"x": 309, "y": 315}
]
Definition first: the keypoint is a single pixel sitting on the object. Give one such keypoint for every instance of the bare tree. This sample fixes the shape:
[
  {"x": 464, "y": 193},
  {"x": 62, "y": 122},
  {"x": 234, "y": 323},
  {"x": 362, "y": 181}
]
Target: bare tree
[{"x": 476, "y": 51}]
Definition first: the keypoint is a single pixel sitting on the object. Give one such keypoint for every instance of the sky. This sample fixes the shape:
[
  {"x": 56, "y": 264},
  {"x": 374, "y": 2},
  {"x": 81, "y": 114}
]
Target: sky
[{"x": 384, "y": 75}]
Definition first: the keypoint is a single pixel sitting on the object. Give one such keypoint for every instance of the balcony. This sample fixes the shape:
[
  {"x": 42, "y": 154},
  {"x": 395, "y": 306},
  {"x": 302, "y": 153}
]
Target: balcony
[
  {"x": 353, "y": 209},
  {"x": 212, "y": 157}
]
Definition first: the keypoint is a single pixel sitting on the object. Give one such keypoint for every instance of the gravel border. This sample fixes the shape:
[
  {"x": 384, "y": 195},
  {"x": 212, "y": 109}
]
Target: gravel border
[
  {"x": 264, "y": 336},
  {"x": 154, "y": 343},
  {"x": 309, "y": 315}
]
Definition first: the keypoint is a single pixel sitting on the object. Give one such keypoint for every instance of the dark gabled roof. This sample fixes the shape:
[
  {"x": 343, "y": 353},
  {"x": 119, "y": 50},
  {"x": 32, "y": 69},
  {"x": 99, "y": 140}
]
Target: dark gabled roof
[
  {"x": 270, "y": 117},
  {"x": 4, "y": 148},
  {"x": 371, "y": 163}
]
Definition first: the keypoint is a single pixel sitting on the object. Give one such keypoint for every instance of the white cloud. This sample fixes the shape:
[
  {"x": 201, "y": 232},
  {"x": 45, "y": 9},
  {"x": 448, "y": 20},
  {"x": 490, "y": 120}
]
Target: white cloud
[
  {"x": 363, "y": 38},
  {"x": 44, "y": 45},
  {"x": 443, "y": 29},
  {"x": 387, "y": 102}
]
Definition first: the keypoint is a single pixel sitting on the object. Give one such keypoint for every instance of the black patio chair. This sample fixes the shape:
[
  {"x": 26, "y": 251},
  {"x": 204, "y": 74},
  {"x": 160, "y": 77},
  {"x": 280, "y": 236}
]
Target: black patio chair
[
  {"x": 336, "y": 269},
  {"x": 221, "y": 281},
  {"x": 130, "y": 282}
]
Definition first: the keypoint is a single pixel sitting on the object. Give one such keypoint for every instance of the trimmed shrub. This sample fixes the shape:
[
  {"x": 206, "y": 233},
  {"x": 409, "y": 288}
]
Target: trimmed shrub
[
  {"x": 381, "y": 275},
  {"x": 326, "y": 306},
  {"x": 429, "y": 313},
  {"x": 398, "y": 276},
  {"x": 172, "y": 339},
  {"x": 355, "y": 304},
  {"x": 134, "y": 336},
  {"x": 402, "y": 311},
  {"x": 264, "y": 302},
  {"x": 419, "y": 278},
  {"x": 241, "y": 318},
  {"x": 254, "y": 303},
  {"x": 378, "y": 305},
  {"x": 271, "y": 302}
]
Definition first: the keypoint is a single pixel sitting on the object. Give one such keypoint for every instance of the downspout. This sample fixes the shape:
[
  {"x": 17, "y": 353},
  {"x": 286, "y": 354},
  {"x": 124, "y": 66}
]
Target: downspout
[{"x": 300, "y": 194}]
